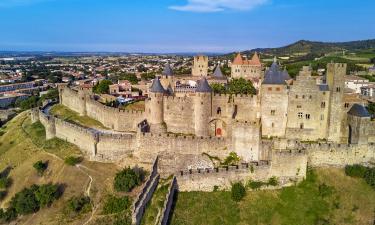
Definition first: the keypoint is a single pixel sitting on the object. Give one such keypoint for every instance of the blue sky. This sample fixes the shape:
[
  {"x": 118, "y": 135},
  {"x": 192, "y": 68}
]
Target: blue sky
[{"x": 179, "y": 25}]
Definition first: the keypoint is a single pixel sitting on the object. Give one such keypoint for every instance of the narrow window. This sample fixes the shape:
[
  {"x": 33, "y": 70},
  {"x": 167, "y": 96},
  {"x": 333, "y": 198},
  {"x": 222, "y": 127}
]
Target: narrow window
[
  {"x": 273, "y": 112},
  {"x": 323, "y": 105},
  {"x": 270, "y": 89},
  {"x": 299, "y": 106},
  {"x": 301, "y": 126},
  {"x": 218, "y": 111},
  {"x": 300, "y": 115},
  {"x": 307, "y": 116},
  {"x": 346, "y": 105},
  {"x": 277, "y": 89}
]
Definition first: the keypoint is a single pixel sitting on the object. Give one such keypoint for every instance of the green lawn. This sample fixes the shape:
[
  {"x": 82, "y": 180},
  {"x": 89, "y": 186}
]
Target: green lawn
[
  {"x": 67, "y": 114},
  {"x": 342, "y": 200}
]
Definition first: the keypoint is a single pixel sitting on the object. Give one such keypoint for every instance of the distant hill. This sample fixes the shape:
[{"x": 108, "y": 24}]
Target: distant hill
[{"x": 304, "y": 47}]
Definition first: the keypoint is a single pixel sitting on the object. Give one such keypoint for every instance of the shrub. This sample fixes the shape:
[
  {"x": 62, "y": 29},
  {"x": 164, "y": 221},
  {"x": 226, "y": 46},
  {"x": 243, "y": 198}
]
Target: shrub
[
  {"x": 238, "y": 191},
  {"x": 355, "y": 170},
  {"x": 47, "y": 193},
  {"x": 8, "y": 215},
  {"x": 3, "y": 194},
  {"x": 72, "y": 160},
  {"x": 25, "y": 201},
  {"x": 5, "y": 182},
  {"x": 77, "y": 204},
  {"x": 232, "y": 159},
  {"x": 40, "y": 167},
  {"x": 273, "y": 181},
  {"x": 127, "y": 179},
  {"x": 30, "y": 200},
  {"x": 114, "y": 204},
  {"x": 255, "y": 185},
  {"x": 216, "y": 188},
  {"x": 370, "y": 177}
]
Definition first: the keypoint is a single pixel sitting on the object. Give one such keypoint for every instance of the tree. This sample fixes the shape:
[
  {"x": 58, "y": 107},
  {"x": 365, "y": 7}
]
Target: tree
[
  {"x": 241, "y": 86},
  {"x": 127, "y": 179},
  {"x": 114, "y": 204},
  {"x": 238, "y": 191},
  {"x": 40, "y": 167},
  {"x": 218, "y": 88},
  {"x": 131, "y": 77},
  {"x": 25, "y": 202},
  {"x": 77, "y": 204},
  {"x": 46, "y": 194},
  {"x": 102, "y": 87},
  {"x": 28, "y": 103}
]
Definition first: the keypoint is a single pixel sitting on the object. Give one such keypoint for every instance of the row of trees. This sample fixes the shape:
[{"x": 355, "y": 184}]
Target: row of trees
[{"x": 235, "y": 86}]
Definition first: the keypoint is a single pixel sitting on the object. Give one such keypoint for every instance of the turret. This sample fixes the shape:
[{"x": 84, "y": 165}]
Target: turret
[
  {"x": 156, "y": 107},
  {"x": 202, "y": 107}
]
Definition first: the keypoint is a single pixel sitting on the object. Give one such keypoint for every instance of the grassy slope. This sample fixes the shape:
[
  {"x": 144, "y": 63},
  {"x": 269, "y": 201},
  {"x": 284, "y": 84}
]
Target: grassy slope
[
  {"x": 67, "y": 114},
  {"x": 23, "y": 144},
  {"x": 136, "y": 106},
  {"x": 293, "y": 205}
]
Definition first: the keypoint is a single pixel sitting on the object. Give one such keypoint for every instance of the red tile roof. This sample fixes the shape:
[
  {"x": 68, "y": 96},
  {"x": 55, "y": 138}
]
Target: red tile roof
[{"x": 255, "y": 61}]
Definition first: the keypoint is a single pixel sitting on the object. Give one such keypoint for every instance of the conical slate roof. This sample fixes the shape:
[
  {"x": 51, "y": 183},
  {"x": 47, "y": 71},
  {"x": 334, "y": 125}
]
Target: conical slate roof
[
  {"x": 274, "y": 75},
  {"x": 203, "y": 86},
  {"x": 217, "y": 72},
  {"x": 359, "y": 111},
  {"x": 156, "y": 86},
  {"x": 167, "y": 70}
]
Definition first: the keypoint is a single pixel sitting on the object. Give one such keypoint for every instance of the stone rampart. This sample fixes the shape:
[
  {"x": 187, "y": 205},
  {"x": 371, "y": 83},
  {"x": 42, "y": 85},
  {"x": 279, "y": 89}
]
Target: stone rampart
[
  {"x": 340, "y": 154},
  {"x": 145, "y": 195},
  {"x": 83, "y": 102},
  {"x": 168, "y": 202}
]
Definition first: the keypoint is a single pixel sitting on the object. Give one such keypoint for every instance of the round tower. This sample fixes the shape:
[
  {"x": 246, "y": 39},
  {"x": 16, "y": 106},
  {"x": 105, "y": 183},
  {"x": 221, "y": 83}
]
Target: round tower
[
  {"x": 202, "y": 107},
  {"x": 156, "y": 107}
]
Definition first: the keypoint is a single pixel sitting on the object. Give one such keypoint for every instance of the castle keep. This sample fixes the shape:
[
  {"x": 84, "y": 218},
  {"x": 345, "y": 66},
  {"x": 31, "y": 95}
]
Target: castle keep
[{"x": 187, "y": 130}]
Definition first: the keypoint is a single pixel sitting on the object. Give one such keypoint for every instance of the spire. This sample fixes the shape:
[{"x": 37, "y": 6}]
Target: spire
[
  {"x": 255, "y": 60},
  {"x": 238, "y": 60},
  {"x": 167, "y": 70},
  {"x": 217, "y": 72},
  {"x": 203, "y": 86},
  {"x": 156, "y": 86}
]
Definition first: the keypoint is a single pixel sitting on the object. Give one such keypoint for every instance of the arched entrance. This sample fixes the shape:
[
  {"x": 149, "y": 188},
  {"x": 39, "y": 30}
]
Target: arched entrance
[{"x": 218, "y": 128}]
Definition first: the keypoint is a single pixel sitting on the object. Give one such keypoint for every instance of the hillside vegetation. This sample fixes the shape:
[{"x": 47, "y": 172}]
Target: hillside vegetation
[
  {"x": 327, "y": 196},
  {"x": 315, "y": 47},
  {"x": 22, "y": 144}
]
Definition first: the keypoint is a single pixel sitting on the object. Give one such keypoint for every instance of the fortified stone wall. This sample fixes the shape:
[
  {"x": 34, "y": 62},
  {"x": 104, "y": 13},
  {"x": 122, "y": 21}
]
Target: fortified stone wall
[
  {"x": 340, "y": 154},
  {"x": 179, "y": 115},
  {"x": 81, "y": 102},
  {"x": 286, "y": 166},
  {"x": 246, "y": 138},
  {"x": 168, "y": 202},
  {"x": 149, "y": 145}
]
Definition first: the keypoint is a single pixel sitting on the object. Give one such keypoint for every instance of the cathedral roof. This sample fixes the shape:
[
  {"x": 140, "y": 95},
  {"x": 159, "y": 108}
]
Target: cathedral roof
[
  {"x": 156, "y": 86},
  {"x": 274, "y": 75},
  {"x": 217, "y": 72},
  {"x": 167, "y": 70},
  {"x": 359, "y": 111},
  {"x": 203, "y": 86}
]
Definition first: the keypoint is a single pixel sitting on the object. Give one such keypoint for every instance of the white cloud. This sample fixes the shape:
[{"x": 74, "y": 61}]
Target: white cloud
[{"x": 218, "y": 5}]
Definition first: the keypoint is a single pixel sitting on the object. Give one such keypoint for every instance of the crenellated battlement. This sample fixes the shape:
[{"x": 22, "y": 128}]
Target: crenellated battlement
[{"x": 181, "y": 137}]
